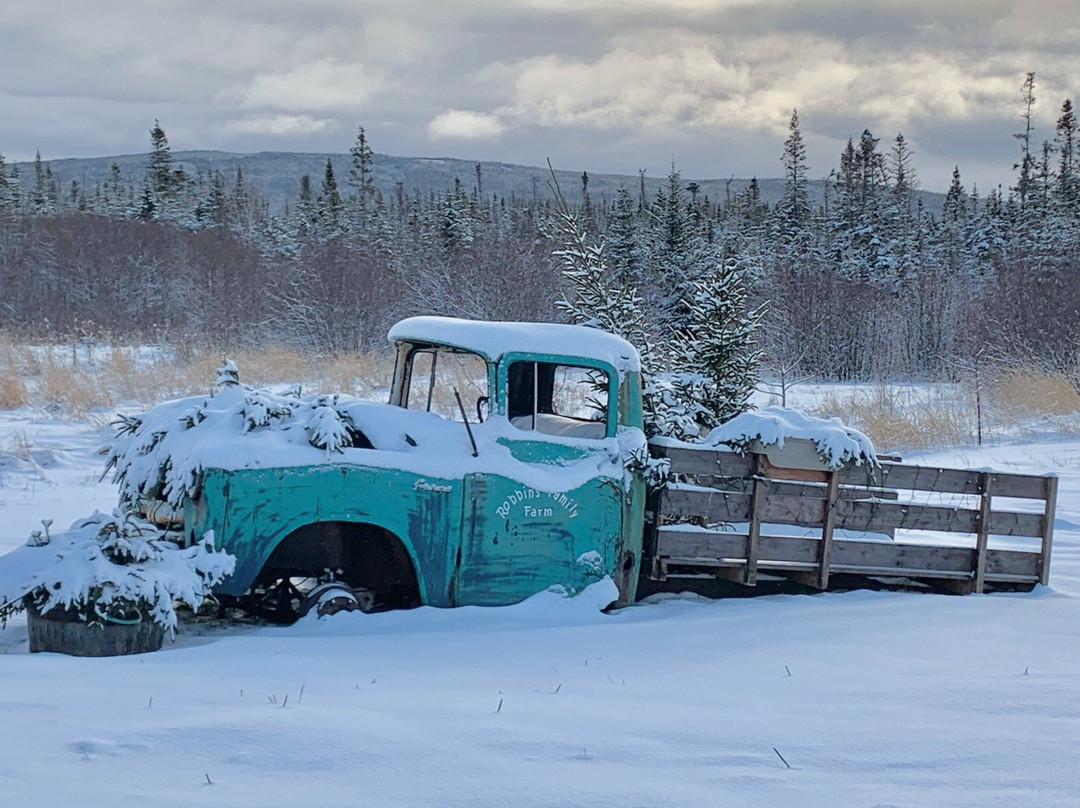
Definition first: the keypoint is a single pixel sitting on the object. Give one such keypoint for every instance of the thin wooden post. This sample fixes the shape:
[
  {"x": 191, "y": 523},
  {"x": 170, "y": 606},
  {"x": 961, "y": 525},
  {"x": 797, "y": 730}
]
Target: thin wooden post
[
  {"x": 983, "y": 536},
  {"x": 1048, "y": 530},
  {"x": 757, "y": 501},
  {"x": 827, "y": 528}
]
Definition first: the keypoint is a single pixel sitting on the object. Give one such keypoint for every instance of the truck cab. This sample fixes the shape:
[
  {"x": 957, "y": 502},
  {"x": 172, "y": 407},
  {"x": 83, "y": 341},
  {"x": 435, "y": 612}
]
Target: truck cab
[{"x": 499, "y": 469}]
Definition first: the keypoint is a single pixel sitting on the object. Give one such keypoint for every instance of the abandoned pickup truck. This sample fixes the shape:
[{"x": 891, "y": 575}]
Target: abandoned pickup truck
[
  {"x": 497, "y": 470},
  {"x": 511, "y": 459}
]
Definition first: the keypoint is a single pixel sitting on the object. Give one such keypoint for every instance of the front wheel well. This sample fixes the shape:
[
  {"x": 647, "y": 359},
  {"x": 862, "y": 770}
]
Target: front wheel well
[{"x": 359, "y": 554}]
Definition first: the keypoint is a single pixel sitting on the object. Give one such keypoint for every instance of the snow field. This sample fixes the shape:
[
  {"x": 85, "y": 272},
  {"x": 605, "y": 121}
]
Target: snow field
[{"x": 873, "y": 699}]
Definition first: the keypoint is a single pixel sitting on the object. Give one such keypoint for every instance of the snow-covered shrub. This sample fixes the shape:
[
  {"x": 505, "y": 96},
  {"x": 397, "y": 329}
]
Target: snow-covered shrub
[
  {"x": 328, "y": 428},
  {"x": 160, "y": 454},
  {"x": 108, "y": 567},
  {"x": 262, "y": 408},
  {"x": 653, "y": 470},
  {"x": 676, "y": 404}
]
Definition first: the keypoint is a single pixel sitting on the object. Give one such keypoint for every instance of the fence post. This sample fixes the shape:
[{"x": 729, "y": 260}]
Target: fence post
[
  {"x": 753, "y": 534},
  {"x": 983, "y": 536},
  {"x": 827, "y": 528},
  {"x": 1048, "y": 530}
]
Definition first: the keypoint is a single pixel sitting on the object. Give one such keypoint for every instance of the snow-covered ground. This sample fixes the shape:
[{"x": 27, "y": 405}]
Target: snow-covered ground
[{"x": 872, "y": 699}]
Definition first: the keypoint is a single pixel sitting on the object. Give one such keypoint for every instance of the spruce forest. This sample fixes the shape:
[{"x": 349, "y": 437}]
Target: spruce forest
[{"x": 862, "y": 283}]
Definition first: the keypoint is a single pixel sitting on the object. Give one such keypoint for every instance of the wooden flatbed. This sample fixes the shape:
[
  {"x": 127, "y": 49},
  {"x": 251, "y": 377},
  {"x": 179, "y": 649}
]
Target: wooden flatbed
[{"x": 740, "y": 518}]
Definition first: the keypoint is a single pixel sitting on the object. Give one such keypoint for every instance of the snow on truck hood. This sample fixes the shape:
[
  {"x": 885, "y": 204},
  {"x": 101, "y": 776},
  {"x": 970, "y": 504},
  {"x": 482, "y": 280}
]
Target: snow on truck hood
[
  {"x": 496, "y": 339},
  {"x": 165, "y": 450}
]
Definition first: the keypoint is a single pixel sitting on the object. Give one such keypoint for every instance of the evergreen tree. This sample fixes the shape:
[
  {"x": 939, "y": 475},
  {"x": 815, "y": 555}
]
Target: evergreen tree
[
  {"x": 899, "y": 223},
  {"x": 624, "y": 245},
  {"x": 329, "y": 205},
  {"x": 1067, "y": 189},
  {"x": 588, "y": 215},
  {"x": 955, "y": 209},
  {"x": 669, "y": 213},
  {"x": 114, "y": 203},
  {"x": 159, "y": 164},
  {"x": 213, "y": 212},
  {"x": 1026, "y": 166},
  {"x": 904, "y": 181},
  {"x": 8, "y": 193},
  {"x": 793, "y": 210},
  {"x": 858, "y": 227},
  {"x": 360, "y": 175},
  {"x": 455, "y": 222},
  {"x": 592, "y": 298},
  {"x": 721, "y": 344},
  {"x": 40, "y": 202}
]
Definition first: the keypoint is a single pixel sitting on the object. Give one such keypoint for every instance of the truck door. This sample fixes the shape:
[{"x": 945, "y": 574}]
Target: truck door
[{"x": 563, "y": 527}]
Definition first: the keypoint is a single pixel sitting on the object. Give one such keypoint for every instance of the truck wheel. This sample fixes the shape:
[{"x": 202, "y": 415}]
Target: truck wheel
[{"x": 331, "y": 598}]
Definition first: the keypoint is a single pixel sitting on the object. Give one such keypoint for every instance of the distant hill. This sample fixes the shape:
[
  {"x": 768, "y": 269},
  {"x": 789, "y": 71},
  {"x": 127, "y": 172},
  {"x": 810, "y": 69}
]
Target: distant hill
[{"x": 277, "y": 175}]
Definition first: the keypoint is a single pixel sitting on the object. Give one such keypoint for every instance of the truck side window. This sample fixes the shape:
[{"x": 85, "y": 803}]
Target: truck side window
[
  {"x": 433, "y": 375},
  {"x": 558, "y": 399}
]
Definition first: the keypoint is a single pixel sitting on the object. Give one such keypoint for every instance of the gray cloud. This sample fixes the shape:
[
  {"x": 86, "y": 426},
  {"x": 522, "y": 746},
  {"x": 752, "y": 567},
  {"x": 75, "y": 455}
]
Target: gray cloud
[{"x": 605, "y": 85}]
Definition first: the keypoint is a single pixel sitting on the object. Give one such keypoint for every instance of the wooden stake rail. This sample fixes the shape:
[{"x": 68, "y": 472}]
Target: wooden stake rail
[{"x": 720, "y": 516}]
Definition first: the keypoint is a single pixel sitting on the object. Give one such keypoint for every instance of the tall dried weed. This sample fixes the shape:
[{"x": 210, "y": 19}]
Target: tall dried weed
[
  {"x": 900, "y": 418},
  {"x": 1023, "y": 392}
]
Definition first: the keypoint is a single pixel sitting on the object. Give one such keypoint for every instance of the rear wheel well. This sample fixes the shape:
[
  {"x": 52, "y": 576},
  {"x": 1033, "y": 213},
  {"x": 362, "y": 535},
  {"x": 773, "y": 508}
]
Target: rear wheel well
[{"x": 361, "y": 555}]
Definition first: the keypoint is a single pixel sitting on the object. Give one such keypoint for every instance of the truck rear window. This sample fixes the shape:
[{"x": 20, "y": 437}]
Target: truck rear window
[{"x": 558, "y": 399}]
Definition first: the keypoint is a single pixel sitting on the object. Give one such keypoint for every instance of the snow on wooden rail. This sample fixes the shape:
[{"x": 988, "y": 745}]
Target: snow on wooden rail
[{"x": 719, "y": 516}]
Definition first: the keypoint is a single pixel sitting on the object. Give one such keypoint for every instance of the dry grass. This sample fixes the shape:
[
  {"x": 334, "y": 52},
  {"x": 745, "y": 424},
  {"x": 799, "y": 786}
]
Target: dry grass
[
  {"x": 903, "y": 419},
  {"x": 899, "y": 418},
  {"x": 359, "y": 373},
  {"x": 13, "y": 392},
  {"x": 1024, "y": 392},
  {"x": 64, "y": 381},
  {"x": 73, "y": 383},
  {"x": 70, "y": 390},
  {"x": 149, "y": 381}
]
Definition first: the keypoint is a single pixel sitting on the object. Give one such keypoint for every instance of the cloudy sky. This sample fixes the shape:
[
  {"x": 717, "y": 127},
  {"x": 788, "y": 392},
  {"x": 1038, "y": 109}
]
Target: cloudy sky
[{"x": 601, "y": 85}]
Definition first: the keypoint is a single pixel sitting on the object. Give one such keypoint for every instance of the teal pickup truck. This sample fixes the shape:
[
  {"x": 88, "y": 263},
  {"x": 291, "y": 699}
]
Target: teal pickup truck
[
  {"x": 511, "y": 458},
  {"x": 502, "y": 466}
]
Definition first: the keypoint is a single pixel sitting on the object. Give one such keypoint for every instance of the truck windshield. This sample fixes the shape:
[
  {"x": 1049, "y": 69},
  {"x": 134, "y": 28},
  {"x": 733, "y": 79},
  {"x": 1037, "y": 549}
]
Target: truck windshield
[{"x": 434, "y": 374}]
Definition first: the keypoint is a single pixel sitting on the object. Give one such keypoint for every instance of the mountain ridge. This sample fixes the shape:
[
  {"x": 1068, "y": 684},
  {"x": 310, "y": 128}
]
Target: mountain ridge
[{"x": 277, "y": 176}]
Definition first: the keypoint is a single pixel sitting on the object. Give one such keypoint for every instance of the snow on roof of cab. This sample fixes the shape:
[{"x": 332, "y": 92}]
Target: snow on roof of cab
[{"x": 494, "y": 339}]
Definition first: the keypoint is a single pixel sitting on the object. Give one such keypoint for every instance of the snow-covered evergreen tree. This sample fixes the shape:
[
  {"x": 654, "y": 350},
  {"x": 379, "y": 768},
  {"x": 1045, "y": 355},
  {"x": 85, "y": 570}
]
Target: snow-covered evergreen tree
[
  {"x": 329, "y": 206},
  {"x": 1067, "y": 143},
  {"x": 9, "y": 193},
  {"x": 360, "y": 178},
  {"x": 793, "y": 210},
  {"x": 592, "y": 296}
]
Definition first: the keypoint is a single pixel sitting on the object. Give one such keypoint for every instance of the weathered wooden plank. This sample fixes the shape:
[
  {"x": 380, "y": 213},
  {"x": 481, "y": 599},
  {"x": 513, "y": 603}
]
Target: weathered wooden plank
[
  {"x": 705, "y": 461},
  {"x": 725, "y": 506},
  {"x": 685, "y": 460},
  {"x": 1012, "y": 563},
  {"x": 1009, "y": 523},
  {"x": 876, "y": 516},
  {"x": 942, "y": 480},
  {"x": 890, "y": 556},
  {"x": 794, "y": 474},
  {"x": 684, "y": 544},
  {"x": 714, "y": 505},
  {"x": 688, "y": 547},
  {"x": 792, "y": 488}
]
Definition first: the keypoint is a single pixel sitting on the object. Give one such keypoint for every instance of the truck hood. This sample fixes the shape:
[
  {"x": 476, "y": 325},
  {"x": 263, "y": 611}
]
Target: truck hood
[{"x": 162, "y": 453}]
